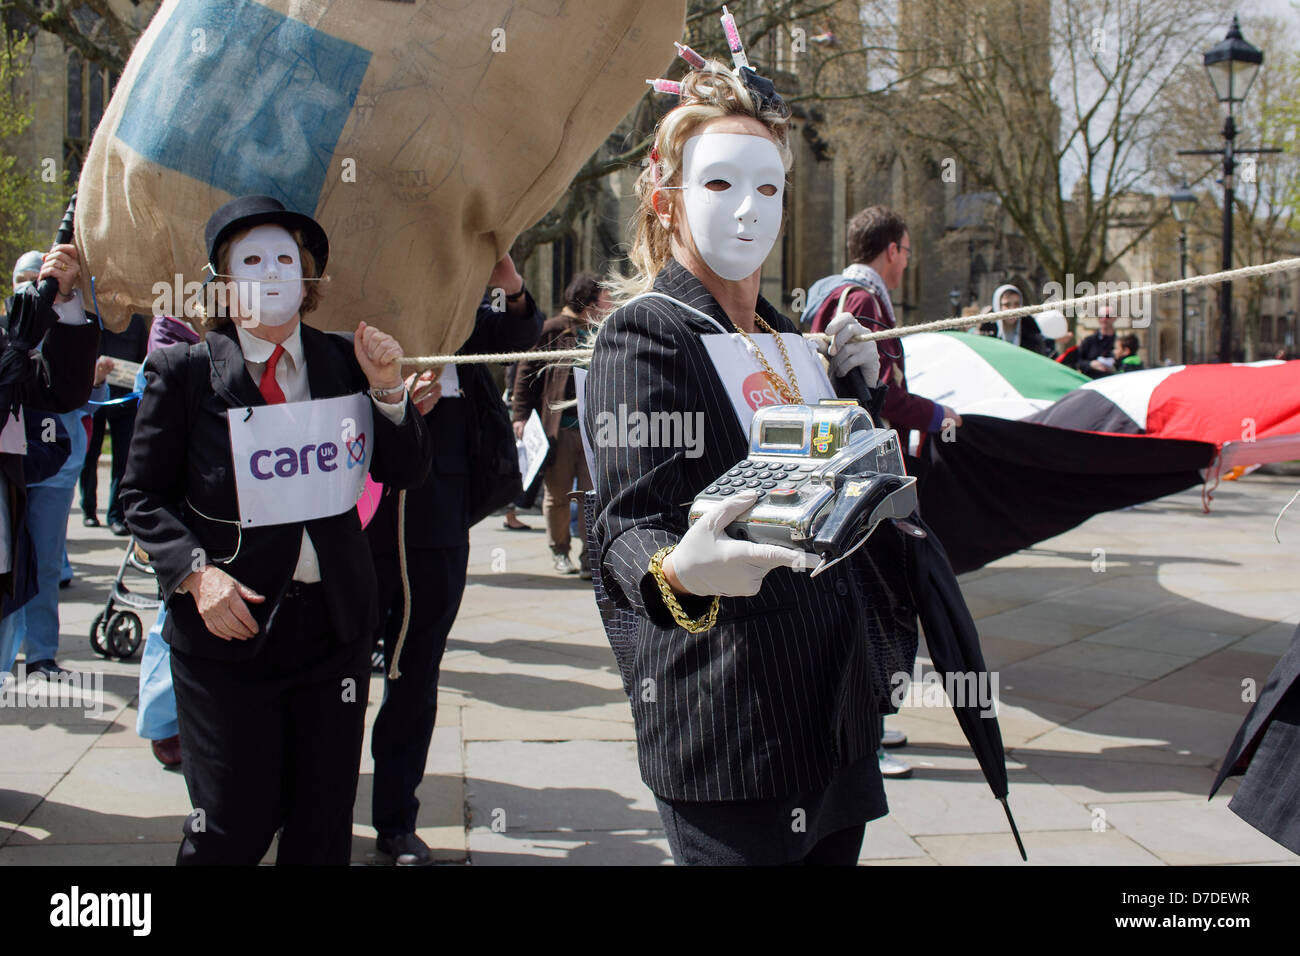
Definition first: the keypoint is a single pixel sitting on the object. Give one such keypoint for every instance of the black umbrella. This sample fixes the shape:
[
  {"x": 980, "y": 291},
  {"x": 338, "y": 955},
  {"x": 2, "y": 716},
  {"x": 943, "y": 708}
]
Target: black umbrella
[
  {"x": 30, "y": 317},
  {"x": 954, "y": 645}
]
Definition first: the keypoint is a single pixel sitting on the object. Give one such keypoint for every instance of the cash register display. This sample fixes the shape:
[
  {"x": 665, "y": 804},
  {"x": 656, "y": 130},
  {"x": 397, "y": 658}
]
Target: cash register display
[{"x": 789, "y": 435}]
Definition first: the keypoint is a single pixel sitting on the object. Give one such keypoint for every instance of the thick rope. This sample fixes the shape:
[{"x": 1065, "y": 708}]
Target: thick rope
[
  {"x": 393, "y": 671},
  {"x": 1211, "y": 278}
]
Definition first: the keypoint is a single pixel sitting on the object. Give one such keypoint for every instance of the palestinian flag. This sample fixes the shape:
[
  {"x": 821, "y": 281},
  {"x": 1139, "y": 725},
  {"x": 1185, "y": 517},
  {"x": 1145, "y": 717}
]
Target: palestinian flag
[
  {"x": 1252, "y": 411},
  {"x": 980, "y": 375},
  {"x": 1132, "y": 437}
]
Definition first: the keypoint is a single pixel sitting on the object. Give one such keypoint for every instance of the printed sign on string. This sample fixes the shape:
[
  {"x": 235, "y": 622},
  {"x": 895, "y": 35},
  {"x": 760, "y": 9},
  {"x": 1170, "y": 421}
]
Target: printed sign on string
[
  {"x": 535, "y": 447},
  {"x": 124, "y": 373},
  {"x": 749, "y": 387},
  {"x": 13, "y": 439},
  {"x": 301, "y": 460}
]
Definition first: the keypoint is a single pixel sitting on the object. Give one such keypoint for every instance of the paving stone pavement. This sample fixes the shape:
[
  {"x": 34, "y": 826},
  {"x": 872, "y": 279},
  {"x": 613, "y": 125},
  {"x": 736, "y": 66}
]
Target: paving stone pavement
[{"x": 1121, "y": 649}]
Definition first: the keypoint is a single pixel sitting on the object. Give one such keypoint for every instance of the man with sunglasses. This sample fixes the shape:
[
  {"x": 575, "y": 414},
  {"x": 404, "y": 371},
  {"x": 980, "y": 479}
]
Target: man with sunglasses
[{"x": 879, "y": 249}]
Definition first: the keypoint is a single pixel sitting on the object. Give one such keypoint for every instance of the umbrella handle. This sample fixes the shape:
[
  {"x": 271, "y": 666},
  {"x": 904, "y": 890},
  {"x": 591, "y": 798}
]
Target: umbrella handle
[
  {"x": 1014, "y": 832},
  {"x": 49, "y": 288}
]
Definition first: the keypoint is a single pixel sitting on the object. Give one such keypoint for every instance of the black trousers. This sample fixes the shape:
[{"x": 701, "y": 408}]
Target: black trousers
[
  {"x": 122, "y": 425},
  {"x": 715, "y": 843},
  {"x": 274, "y": 743},
  {"x": 404, "y": 726}
]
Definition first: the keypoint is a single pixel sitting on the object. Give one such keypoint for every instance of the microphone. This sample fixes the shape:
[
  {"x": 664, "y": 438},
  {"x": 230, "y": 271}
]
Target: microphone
[{"x": 49, "y": 286}]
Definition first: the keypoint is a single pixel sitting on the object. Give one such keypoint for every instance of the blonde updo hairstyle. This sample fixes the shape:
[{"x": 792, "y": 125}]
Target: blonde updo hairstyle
[{"x": 709, "y": 93}]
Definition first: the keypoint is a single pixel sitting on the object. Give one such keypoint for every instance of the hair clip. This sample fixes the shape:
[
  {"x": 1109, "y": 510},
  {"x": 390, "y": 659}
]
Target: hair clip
[{"x": 764, "y": 89}]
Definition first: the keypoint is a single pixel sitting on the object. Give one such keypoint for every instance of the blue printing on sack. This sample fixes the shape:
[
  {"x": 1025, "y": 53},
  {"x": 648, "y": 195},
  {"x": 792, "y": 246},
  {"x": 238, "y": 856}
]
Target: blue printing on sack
[{"x": 244, "y": 99}]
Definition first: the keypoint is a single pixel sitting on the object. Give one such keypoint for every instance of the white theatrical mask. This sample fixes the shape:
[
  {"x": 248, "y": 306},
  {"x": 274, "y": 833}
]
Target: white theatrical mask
[
  {"x": 266, "y": 266},
  {"x": 732, "y": 185}
]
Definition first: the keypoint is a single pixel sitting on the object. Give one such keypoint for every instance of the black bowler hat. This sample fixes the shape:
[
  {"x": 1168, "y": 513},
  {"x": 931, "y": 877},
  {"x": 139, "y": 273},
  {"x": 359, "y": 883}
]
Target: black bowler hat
[{"x": 249, "y": 211}]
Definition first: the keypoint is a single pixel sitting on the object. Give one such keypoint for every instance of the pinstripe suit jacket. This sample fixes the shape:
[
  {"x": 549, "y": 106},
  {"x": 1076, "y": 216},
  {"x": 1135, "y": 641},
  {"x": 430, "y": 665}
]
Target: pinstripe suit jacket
[{"x": 777, "y": 696}]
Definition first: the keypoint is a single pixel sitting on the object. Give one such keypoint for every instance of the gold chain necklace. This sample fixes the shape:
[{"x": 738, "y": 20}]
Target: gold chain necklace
[{"x": 789, "y": 391}]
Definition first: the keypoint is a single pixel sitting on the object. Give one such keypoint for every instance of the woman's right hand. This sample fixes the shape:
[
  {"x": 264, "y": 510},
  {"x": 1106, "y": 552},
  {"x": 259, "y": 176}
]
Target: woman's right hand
[
  {"x": 220, "y": 600},
  {"x": 707, "y": 561}
]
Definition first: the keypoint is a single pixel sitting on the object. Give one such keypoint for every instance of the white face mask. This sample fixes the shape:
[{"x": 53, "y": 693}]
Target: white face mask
[
  {"x": 732, "y": 185},
  {"x": 265, "y": 264}
]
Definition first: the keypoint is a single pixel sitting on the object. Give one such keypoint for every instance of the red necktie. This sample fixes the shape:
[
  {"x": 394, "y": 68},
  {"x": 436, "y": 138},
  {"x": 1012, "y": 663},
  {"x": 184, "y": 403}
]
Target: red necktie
[{"x": 268, "y": 386}]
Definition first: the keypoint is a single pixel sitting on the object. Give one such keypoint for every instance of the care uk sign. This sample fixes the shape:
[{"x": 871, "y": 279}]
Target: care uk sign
[{"x": 300, "y": 460}]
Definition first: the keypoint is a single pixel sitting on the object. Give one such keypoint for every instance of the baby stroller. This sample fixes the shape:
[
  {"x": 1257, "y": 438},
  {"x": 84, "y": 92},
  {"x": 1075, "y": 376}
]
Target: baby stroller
[{"x": 117, "y": 631}]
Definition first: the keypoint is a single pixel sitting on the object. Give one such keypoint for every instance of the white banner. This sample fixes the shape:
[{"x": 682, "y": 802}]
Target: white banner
[
  {"x": 580, "y": 390},
  {"x": 13, "y": 439},
  {"x": 301, "y": 460},
  {"x": 123, "y": 373},
  {"x": 747, "y": 384},
  {"x": 536, "y": 447}
]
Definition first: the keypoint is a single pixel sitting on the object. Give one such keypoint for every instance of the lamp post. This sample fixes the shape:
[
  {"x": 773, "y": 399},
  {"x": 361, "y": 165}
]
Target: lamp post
[
  {"x": 954, "y": 299},
  {"x": 1232, "y": 65},
  {"x": 1183, "y": 203}
]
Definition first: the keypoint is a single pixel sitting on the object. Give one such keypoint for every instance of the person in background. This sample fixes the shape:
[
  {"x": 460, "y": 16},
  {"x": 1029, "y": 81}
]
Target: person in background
[
  {"x": 879, "y": 249},
  {"x": 1023, "y": 331},
  {"x": 127, "y": 346},
  {"x": 429, "y": 559},
  {"x": 1127, "y": 358},
  {"x": 155, "y": 718},
  {"x": 68, "y": 350},
  {"x": 48, "y": 450},
  {"x": 528, "y": 496},
  {"x": 1097, "y": 351},
  {"x": 541, "y": 387},
  {"x": 49, "y": 503}
]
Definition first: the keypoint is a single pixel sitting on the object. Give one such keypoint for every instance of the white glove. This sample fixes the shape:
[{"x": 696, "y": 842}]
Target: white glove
[
  {"x": 846, "y": 355},
  {"x": 706, "y": 561}
]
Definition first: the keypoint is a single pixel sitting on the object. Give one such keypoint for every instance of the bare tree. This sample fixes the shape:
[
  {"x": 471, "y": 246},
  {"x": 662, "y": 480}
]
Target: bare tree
[
  {"x": 1266, "y": 211},
  {"x": 91, "y": 27},
  {"x": 1051, "y": 107}
]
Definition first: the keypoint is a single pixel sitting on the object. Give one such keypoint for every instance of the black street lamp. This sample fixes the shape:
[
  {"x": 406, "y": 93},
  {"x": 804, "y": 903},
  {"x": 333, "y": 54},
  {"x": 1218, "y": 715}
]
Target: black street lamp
[
  {"x": 1232, "y": 65},
  {"x": 1183, "y": 203}
]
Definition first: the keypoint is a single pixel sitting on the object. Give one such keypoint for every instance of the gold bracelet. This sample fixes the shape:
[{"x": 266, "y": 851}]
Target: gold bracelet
[{"x": 696, "y": 626}]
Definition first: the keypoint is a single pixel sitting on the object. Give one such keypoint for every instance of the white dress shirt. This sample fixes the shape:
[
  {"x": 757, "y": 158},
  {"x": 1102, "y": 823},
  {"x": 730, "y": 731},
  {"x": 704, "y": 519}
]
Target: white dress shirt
[{"x": 291, "y": 376}]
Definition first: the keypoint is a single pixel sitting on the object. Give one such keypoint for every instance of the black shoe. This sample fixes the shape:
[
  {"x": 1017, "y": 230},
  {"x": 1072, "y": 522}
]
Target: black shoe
[
  {"x": 90, "y": 521},
  {"x": 118, "y": 529},
  {"x": 46, "y": 668},
  {"x": 405, "y": 849},
  {"x": 65, "y": 584}
]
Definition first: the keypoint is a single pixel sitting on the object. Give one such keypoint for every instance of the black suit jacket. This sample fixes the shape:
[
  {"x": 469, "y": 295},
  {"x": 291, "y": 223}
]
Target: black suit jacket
[
  {"x": 778, "y": 695},
  {"x": 69, "y": 353},
  {"x": 1267, "y": 750},
  {"x": 437, "y": 511},
  {"x": 180, "y": 470}
]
